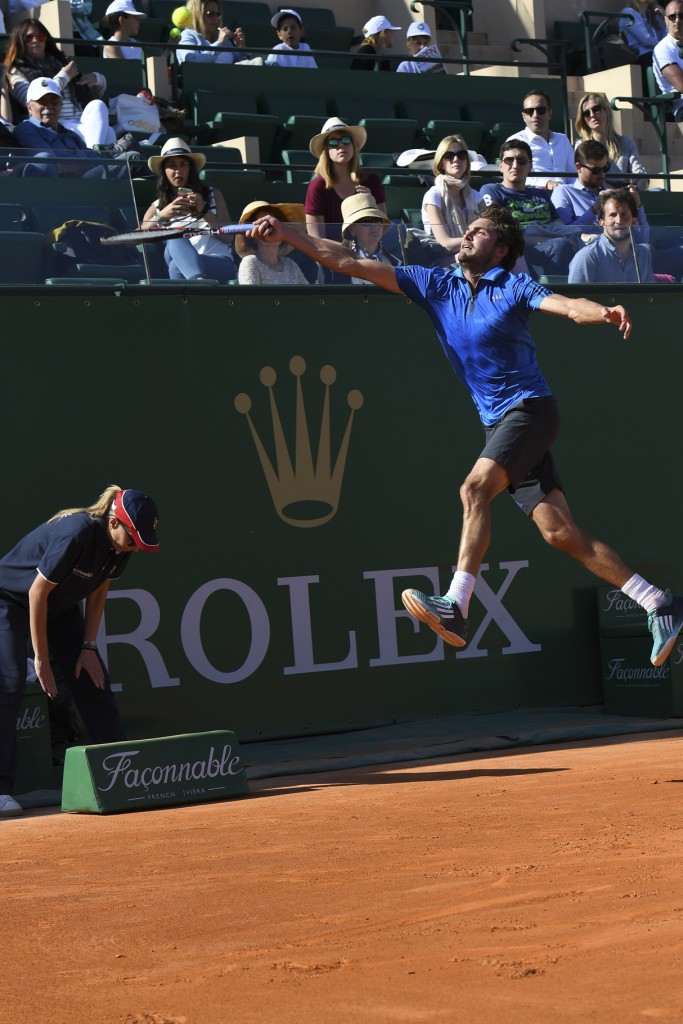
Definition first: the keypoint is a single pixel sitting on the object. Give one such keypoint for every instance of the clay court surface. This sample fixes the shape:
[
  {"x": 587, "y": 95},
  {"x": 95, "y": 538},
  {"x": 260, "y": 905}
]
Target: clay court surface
[{"x": 534, "y": 885}]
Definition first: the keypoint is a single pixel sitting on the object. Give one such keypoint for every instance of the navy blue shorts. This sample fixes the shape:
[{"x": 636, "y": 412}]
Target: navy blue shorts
[{"x": 520, "y": 442}]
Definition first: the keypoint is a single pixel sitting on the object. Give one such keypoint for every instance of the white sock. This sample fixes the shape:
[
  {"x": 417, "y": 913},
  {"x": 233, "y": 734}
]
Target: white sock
[
  {"x": 644, "y": 594},
  {"x": 461, "y": 589}
]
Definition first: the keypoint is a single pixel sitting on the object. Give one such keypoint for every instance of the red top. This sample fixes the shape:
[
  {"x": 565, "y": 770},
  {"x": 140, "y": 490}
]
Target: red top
[{"x": 324, "y": 202}]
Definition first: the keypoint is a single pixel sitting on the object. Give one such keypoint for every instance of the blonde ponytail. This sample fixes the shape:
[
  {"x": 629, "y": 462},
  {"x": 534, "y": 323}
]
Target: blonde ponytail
[{"x": 99, "y": 508}]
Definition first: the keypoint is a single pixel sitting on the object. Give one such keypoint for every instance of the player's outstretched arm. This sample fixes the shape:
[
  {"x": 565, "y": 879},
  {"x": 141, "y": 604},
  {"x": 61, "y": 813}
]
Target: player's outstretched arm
[
  {"x": 584, "y": 311},
  {"x": 335, "y": 257}
]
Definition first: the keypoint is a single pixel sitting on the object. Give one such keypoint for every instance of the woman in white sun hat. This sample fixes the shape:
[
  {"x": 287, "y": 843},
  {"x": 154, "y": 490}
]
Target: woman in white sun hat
[
  {"x": 199, "y": 256},
  {"x": 337, "y": 176},
  {"x": 378, "y": 34}
]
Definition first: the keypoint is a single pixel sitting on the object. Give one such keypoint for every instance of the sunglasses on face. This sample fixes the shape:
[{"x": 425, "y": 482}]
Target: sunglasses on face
[
  {"x": 455, "y": 154},
  {"x": 675, "y": 17},
  {"x": 37, "y": 37},
  {"x": 592, "y": 111},
  {"x": 597, "y": 170},
  {"x": 343, "y": 140},
  {"x": 530, "y": 111},
  {"x": 130, "y": 543},
  {"x": 510, "y": 160}
]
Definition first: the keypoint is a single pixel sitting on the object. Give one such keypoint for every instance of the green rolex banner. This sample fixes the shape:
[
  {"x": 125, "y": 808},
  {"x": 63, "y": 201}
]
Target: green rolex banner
[{"x": 137, "y": 775}]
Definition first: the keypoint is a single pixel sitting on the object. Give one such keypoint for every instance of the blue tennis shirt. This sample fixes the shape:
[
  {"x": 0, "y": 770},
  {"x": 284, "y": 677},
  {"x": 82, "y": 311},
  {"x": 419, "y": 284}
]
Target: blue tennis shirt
[
  {"x": 74, "y": 552},
  {"x": 484, "y": 333}
]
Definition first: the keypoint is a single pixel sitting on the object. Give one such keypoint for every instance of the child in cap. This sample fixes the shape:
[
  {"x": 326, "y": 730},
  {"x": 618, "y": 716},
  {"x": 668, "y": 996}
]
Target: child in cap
[
  {"x": 262, "y": 262},
  {"x": 419, "y": 45},
  {"x": 378, "y": 38},
  {"x": 122, "y": 21},
  {"x": 291, "y": 51}
]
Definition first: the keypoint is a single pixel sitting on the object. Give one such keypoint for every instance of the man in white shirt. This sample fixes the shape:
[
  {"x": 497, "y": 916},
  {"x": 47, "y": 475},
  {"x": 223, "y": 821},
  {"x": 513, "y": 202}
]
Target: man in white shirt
[
  {"x": 553, "y": 153},
  {"x": 666, "y": 63}
]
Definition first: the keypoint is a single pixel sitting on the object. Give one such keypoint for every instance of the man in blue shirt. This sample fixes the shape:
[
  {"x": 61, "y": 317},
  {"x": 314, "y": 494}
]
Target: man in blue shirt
[
  {"x": 43, "y": 133},
  {"x": 613, "y": 257},
  {"x": 480, "y": 314},
  {"x": 575, "y": 203},
  {"x": 532, "y": 209}
]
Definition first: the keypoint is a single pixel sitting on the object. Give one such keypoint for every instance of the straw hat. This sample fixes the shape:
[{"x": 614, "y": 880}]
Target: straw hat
[
  {"x": 175, "y": 147},
  {"x": 335, "y": 124},
  {"x": 290, "y": 213},
  {"x": 358, "y": 206}
]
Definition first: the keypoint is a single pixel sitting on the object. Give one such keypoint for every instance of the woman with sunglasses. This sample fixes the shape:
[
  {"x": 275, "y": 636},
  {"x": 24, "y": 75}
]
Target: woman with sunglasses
[
  {"x": 450, "y": 206},
  {"x": 337, "y": 176},
  {"x": 70, "y": 559},
  {"x": 33, "y": 53},
  {"x": 594, "y": 121},
  {"x": 206, "y": 30}
]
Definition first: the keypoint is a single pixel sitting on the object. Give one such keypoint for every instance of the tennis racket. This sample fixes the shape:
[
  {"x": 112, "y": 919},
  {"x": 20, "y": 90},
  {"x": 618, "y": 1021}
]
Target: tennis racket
[{"x": 164, "y": 234}]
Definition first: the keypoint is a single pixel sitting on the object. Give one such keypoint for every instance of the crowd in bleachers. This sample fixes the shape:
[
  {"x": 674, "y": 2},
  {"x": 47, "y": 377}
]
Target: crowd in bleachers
[{"x": 417, "y": 167}]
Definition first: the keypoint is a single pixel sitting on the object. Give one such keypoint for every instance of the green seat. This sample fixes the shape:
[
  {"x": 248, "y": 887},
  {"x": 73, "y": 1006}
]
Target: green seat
[
  {"x": 228, "y": 124},
  {"x": 297, "y": 131},
  {"x": 403, "y": 192},
  {"x": 257, "y": 33},
  {"x": 287, "y": 105},
  {"x": 471, "y": 131},
  {"x": 220, "y": 154},
  {"x": 316, "y": 16},
  {"x": 238, "y": 188},
  {"x": 412, "y": 217},
  {"x": 239, "y": 11},
  {"x": 377, "y": 161},
  {"x": 21, "y": 255},
  {"x": 573, "y": 32},
  {"x": 123, "y": 76},
  {"x": 205, "y": 103},
  {"x": 153, "y": 30},
  {"x": 336, "y": 37},
  {"x": 423, "y": 111},
  {"x": 284, "y": 192},
  {"x": 45, "y": 217},
  {"x": 292, "y": 157},
  {"x": 496, "y": 136},
  {"x": 12, "y": 217},
  {"x": 389, "y": 135},
  {"x": 352, "y": 108}
]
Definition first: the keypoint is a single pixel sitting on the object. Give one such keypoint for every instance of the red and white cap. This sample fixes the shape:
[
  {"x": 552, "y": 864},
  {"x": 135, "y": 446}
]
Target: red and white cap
[{"x": 138, "y": 513}]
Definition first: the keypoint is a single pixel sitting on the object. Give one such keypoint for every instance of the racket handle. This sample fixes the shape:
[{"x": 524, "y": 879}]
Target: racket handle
[{"x": 233, "y": 229}]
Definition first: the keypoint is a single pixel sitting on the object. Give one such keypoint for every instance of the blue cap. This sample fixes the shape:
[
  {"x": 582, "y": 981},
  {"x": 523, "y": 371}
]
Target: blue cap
[{"x": 137, "y": 511}]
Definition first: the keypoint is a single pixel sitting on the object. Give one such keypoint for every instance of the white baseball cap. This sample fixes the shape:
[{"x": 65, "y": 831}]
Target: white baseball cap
[
  {"x": 284, "y": 12},
  {"x": 40, "y": 87},
  {"x": 418, "y": 28},
  {"x": 378, "y": 24},
  {"x": 123, "y": 7}
]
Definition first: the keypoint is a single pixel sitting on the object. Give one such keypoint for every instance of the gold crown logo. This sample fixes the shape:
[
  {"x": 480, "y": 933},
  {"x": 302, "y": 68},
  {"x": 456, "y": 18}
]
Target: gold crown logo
[{"x": 305, "y": 493}]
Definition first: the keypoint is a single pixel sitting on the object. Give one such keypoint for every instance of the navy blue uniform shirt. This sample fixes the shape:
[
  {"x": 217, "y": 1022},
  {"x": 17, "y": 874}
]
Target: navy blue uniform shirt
[{"x": 74, "y": 552}]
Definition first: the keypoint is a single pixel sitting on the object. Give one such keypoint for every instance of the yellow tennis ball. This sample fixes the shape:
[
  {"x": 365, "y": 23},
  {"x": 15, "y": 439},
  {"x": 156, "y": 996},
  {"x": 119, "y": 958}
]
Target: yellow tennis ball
[
  {"x": 181, "y": 17},
  {"x": 174, "y": 34}
]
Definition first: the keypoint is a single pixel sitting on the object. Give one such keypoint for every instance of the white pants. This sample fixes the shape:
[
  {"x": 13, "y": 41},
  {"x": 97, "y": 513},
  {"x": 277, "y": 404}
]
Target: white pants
[{"x": 93, "y": 127}]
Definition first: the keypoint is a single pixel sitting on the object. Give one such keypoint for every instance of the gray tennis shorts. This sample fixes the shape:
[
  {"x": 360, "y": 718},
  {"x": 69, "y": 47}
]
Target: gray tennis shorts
[{"x": 520, "y": 442}]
